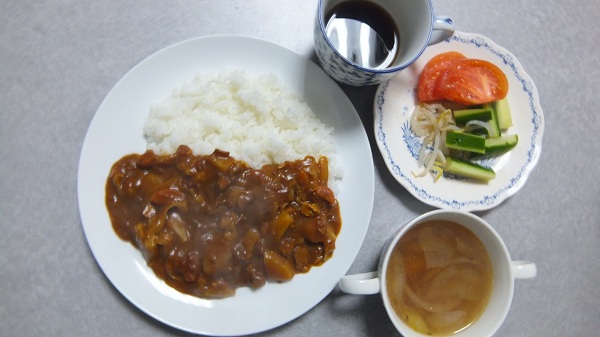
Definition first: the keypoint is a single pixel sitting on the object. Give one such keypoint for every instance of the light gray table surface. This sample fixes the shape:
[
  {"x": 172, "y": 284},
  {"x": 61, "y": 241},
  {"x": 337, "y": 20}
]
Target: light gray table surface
[{"x": 60, "y": 58}]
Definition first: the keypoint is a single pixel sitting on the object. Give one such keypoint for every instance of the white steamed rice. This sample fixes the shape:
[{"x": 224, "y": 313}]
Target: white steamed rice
[{"x": 255, "y": 119}]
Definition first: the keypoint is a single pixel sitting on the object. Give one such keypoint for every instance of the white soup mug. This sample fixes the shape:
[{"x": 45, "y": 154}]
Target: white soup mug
[{"x": 505, "y": 271}]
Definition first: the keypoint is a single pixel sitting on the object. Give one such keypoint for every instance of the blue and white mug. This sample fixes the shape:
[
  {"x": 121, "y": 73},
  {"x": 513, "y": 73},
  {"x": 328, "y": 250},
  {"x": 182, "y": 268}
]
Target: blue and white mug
[{"x": 417, "y": 26}]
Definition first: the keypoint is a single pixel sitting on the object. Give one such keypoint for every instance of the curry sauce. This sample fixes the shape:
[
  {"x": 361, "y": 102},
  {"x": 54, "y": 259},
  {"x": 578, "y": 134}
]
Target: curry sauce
[{"x": 208, "y": 224}]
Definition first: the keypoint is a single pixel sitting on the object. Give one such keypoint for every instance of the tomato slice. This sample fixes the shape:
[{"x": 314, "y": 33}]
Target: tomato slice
[
  {"x": 431, "y": 73},
  {"x": 471, "y": 81}
]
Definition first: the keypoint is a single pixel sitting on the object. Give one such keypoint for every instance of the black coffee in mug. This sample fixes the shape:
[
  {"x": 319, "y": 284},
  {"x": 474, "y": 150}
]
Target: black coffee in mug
[{"x": 363, "y": 33}]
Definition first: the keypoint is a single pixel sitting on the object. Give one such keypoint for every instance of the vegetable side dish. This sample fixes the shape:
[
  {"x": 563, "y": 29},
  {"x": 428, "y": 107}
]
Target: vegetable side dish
[
  {"x": 208, "y": 224},
  {"x": 476, "y": 89}
]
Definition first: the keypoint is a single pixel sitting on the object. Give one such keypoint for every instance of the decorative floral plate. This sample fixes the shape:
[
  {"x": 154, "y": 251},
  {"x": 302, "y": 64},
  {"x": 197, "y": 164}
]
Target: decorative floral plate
[{"x": 394, "y": 103}]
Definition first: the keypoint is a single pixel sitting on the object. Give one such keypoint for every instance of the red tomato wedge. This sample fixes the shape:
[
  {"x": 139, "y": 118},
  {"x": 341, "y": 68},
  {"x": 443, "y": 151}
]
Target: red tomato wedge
[
  {"x": 461, "y": 80},
  {"x": 470, "y": 82},
  {"x": 431, "y": 73}
]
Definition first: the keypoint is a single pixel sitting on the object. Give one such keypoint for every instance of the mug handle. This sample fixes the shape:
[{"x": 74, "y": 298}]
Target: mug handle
[
  {"x": 360, "y": 284},
  {"x": 524, "y": 269},
  {"x": 443, "y": 28}
]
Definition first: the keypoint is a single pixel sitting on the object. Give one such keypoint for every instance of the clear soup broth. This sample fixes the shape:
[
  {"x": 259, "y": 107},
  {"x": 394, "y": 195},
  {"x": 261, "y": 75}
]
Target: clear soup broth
[{"x": 439, "y": 278}]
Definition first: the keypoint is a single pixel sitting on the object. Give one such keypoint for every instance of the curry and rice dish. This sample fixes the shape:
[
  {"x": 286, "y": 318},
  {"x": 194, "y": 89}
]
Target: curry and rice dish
[{"x": 208, "y": 224}]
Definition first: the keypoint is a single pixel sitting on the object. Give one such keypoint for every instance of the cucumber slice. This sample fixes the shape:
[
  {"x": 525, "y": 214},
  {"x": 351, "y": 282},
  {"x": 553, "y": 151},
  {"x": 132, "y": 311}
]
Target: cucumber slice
[
  {"x": 494, "y": 125},
  {"x": 503, "y": 112},
  {"x": 461, "y": 117},
  {"x": 469, "y": 170},
  {"x": 465, "y": 141},
  {"x": 496, "y": 146}
]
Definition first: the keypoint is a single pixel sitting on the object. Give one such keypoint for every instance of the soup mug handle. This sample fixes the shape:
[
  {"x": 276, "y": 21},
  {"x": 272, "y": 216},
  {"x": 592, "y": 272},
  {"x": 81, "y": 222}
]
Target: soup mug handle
[
  {"x": 361, "y": 284},
  {"x": 523, "y": 269}
]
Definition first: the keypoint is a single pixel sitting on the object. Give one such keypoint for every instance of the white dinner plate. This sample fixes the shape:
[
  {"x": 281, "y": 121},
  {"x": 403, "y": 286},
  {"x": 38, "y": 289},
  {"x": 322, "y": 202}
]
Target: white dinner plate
[
  {"x": 116, "y": 130},
  {"x": 393, "y": 105}
]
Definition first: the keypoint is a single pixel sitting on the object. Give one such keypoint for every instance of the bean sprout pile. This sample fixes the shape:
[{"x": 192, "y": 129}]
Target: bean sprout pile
[{"x": 431, "y": 122}]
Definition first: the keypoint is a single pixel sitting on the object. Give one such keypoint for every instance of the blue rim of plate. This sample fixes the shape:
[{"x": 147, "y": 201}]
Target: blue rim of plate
[{"x": 412, "y": 142}]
